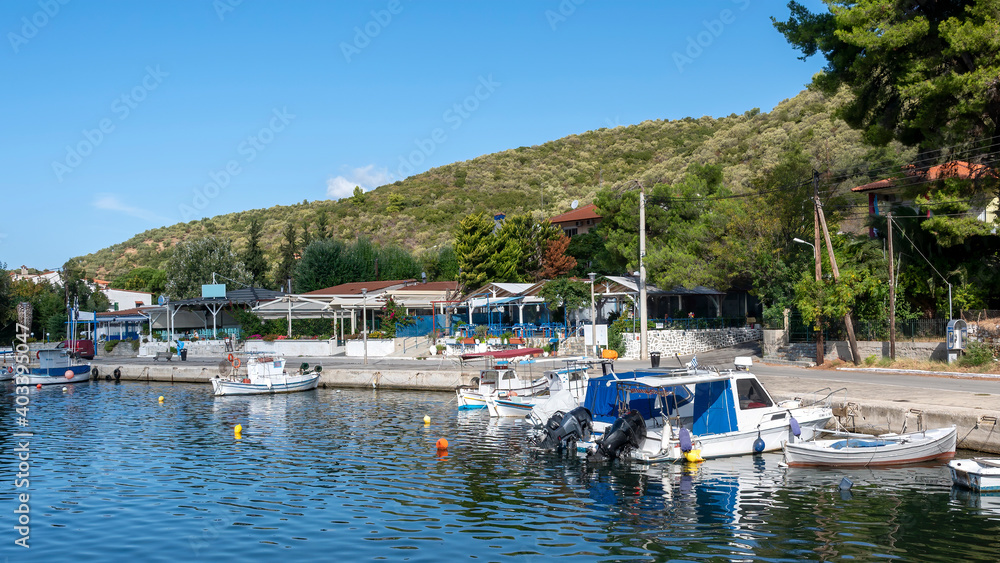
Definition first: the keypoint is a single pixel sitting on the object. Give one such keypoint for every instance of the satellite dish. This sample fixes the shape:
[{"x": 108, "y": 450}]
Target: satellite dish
[{"x": 575, "y": 203}]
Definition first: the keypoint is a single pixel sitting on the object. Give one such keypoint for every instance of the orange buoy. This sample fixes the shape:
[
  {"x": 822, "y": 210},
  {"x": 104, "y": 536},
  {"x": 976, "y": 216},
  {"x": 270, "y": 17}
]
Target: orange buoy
[
  {"x": 39, "y": 386},
  {"x": 442, "y": 444},
  {"x": 69, "y": 374},
  {"x": 236, "y": 363},
  {"x": 230, "y": 358}
]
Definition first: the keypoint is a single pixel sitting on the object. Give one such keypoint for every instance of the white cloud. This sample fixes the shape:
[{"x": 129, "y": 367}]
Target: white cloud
[
  {"x": 367, "y": 177},
  {"x": 111, "y": 202}
]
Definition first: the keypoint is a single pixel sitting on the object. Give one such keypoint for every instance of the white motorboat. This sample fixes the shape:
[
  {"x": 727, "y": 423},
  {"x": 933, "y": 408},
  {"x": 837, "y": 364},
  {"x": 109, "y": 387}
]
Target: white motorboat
[
  {"x": 565, "y": 391},
  {"x": 499, "y": 376},
  {"x": 979, "y": 474},
  {"x": 56, "y": 367},
  {"x": 264, "y": 375},
  {"x": 667, "y": 415},
  {"x": 846, "y": 449}
]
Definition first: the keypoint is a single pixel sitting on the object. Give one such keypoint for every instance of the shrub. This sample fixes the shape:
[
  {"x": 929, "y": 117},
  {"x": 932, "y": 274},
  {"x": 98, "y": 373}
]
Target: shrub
[
  {"x": 135, "y": 345},
  {"x": 870, "y": 360},
  {"x": 110, "y": 345},
  {"x": 976, "y": 354}
]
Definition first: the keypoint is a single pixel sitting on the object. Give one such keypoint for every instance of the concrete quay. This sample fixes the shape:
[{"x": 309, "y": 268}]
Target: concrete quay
[{"x": 873, "y": 402}]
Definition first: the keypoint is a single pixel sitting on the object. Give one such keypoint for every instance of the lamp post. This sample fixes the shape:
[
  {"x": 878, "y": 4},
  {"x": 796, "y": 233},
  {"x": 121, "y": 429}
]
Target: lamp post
[
  {"x": 364, "y": 320},
  {"x": 593, "y": 312},
  {"x": 800, "y": 241}
]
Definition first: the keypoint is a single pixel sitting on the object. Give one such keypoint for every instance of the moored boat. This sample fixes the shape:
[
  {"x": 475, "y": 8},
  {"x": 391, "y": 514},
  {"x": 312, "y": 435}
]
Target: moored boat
[
  {"x": 667, "y": 415},
  {"x": 846, "y": 449},
  {"x": 264, "y": 375},
  {"x": 498, "y": 376},
  {"x": 979, "y": 474},
  {"x": 565, "y": 390},
  {"x": 56, "y": 367}
]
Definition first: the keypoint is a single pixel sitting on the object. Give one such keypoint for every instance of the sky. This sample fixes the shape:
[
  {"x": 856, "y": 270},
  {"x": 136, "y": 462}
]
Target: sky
[{"x": 123, "y": 116}]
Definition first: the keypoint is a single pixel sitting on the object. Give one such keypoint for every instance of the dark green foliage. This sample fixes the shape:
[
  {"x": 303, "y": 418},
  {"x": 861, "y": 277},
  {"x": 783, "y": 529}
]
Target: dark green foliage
[
  {"x": 144, "y": 279},
  {"x": 194, "y": 262},
  {"x": 286, "y": 257},
  {"x": 564, "y": 295},
  {"x": 326, "y": 263},
  {"x": 976, "y": 354},
  {"x": 253, "y": 256}
]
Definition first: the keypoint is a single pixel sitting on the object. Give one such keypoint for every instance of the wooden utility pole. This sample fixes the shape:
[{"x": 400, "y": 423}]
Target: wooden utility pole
[
  {"x": 819, "y": 270},
  {"x": 892, "y": 292},
  {"x": 643, "y": 314},
  {"x": 848, "y": 324}
]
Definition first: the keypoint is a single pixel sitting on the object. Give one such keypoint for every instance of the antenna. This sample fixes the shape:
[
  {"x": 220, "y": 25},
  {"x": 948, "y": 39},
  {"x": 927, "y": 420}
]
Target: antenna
[{"x": 575, "y": 203}]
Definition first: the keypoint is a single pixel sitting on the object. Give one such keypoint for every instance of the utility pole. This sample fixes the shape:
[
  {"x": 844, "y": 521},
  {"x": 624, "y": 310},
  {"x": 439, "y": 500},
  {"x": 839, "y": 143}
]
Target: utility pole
[
  {"x": 643, "y": 351},
  {"x": 820, "y": 346},
  {"x": 892, "y": 292},
  {"x": 836, "y": 277}
]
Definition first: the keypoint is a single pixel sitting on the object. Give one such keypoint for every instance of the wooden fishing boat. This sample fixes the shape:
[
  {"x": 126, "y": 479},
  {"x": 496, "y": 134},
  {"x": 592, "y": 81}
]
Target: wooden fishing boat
[
  {"x": 264, "y": 375},
  {"x": 845, "y": 449}
]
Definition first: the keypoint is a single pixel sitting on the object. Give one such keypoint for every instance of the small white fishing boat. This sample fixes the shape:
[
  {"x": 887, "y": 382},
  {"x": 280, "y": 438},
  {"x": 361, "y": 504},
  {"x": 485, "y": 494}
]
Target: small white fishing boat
[
  {"x": 56, "y": 367},
  {"x": 979, "y": 474},
  {"x": 264, "y": 375},
  {"x": 565, "y": 391},
  {"x": 499, "y": 376},
  {"x": 846, "y": 449}
]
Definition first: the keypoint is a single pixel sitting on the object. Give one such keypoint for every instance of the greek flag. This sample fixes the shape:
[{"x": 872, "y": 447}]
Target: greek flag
[{"x": 694, "y": 361}]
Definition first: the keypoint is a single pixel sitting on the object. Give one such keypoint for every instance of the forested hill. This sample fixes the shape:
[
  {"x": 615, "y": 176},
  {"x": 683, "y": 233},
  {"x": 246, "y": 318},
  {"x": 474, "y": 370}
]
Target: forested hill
[{"x": 421, "y": 211}]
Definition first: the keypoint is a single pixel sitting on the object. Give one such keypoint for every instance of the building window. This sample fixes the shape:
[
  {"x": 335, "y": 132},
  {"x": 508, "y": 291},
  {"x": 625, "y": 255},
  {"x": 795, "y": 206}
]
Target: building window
[{"x": 570, "y": 231}]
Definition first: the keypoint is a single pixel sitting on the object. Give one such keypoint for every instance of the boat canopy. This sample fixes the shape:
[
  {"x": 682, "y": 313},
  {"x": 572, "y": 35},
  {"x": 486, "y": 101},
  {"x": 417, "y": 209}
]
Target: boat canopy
[
  {"x": 606, "y": 392},
  {"x": 714, "y": 412}
]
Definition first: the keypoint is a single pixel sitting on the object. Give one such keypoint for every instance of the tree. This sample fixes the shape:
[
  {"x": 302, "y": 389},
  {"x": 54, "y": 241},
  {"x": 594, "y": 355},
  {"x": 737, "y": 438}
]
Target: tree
[
  {"x": 253, "y": 256},
  {"x": 321, "y": 266},
  {"x": 924, "y": 73},
  {"x": 322, "y": 225},
  {"x": 475, "y": 246},
  {"x": 566, "y": 295},
  {"x": 358, "y": 197},
  {"x": 555, "y": 261},
  {"x": 194, "y": 262},
  {"x": 8, "y": 312},
  {"x": 287, "y": 254},
  {"x": 441, "y": 265},
  {"x": 79, "y": 291},
  {"x": 329, "y": 262}
]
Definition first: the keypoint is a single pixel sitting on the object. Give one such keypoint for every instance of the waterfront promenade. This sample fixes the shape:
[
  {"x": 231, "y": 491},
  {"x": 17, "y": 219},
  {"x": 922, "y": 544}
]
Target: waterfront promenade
[{"x": 872, "y": 401}]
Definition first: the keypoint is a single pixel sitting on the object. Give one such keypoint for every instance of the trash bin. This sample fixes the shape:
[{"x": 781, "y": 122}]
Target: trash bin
[
  {"x": 184, "y": 354},
  {"x": 654, "y": 359}
]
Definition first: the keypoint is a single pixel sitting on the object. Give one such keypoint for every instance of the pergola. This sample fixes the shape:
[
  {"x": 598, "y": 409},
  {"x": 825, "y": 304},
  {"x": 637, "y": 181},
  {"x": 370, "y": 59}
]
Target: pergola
[{"x": 251, "y": 296}]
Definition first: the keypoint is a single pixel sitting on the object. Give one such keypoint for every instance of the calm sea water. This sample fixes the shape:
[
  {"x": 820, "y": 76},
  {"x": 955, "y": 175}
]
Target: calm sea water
[{"x": 354, "y": 475}]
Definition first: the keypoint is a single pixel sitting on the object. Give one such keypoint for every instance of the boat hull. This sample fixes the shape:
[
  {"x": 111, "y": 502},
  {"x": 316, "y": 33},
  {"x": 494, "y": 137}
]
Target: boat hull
[
  {"x": 57, "y": 376},
  {"x": 980, "y": 475},
  {"x": 936, "y": 444},
  {"x": 509, "y": 408},
  {"x": 289, "y": 384}
]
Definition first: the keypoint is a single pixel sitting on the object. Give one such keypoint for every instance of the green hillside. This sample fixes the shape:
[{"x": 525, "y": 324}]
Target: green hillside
[{"x": 421, "y": 211}]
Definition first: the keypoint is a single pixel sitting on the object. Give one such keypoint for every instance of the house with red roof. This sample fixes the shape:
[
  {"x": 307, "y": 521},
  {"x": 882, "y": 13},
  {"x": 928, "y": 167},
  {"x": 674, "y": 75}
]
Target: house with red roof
[
  {"x": 578, "y": 221},
  {"x": 893, "y": 192}
]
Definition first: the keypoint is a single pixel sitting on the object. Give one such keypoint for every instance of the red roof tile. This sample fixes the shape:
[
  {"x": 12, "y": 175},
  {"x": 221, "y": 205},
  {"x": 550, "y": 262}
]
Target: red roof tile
[
  {"x": 355, "y": 288},
  {"x": 586, "y": 212}
]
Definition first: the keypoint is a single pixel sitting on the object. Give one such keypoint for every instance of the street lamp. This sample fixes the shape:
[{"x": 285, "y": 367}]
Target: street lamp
[
  {"x": 800, "y": 241},
  {"x": 593, "y": 312},
  {"x": 364, "y": 320}
]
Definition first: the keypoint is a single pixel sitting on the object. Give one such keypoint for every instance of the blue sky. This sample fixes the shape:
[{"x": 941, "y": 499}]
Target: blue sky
[{"x": 121, "y": 116}]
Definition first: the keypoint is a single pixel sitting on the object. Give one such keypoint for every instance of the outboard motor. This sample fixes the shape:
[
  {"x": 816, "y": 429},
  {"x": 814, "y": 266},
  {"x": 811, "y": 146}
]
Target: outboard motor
[
  {"x": 562, "y": 428},
  {"x": 627, "y": 433}
]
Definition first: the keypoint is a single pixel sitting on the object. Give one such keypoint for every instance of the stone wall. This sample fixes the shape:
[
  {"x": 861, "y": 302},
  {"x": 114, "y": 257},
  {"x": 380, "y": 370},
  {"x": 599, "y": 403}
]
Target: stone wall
[
  {"x": 914, "y": 350},
  {"x": 684, "y": 342}
]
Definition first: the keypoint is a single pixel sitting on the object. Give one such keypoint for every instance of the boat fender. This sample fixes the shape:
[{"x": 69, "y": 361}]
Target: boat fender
[
  {"x": 118, "y": 373},
  {"x": 685, "y": 439},
  {"x": 758, "y": 444},
  {"x": 94, "y": 372},
  {"x": 246, "y": 380},
  {"x": 693, "y": 456},
  {"x": 794, "y": 425}
]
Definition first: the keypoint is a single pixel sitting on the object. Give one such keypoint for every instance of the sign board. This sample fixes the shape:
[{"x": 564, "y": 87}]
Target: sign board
[
  {"x": 210, "y": 290},
  {"x": 602, "y": 335}
]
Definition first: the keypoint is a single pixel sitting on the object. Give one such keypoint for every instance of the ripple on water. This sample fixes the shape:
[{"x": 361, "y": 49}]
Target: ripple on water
[{"x": 356, "y": 475}]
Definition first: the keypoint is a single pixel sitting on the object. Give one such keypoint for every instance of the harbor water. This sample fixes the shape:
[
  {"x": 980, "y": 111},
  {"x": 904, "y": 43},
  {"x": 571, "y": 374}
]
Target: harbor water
[{"x": 355, "y": 475}]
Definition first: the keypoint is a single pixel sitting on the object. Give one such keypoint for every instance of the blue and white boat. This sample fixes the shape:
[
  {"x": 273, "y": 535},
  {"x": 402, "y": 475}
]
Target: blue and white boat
[
  {"x": 564, "y": 390},
  {"x": 56, "y": 367},
  {"x": 668, "y": 415},
  {"x": 979, "y": 474},
  {"x": 264, "y": 375}
]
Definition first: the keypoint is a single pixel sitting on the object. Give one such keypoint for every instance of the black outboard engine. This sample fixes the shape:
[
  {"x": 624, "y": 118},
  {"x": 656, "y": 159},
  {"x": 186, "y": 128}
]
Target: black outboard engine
[
  {"x": 563, "y": 428},
  {"x": 627, "y": 433}
]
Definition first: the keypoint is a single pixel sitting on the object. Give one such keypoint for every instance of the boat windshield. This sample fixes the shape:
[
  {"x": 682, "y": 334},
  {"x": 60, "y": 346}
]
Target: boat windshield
[{"x": 751, "y": 394}]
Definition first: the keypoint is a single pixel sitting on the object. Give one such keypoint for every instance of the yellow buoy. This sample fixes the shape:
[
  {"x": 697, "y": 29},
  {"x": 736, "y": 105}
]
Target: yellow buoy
[
  {"x": 160, "y": 399},
  {"x": 238, "y": 431},
  {"x": 427, "y": 419},
  {"x": 693, "y": 456}
]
